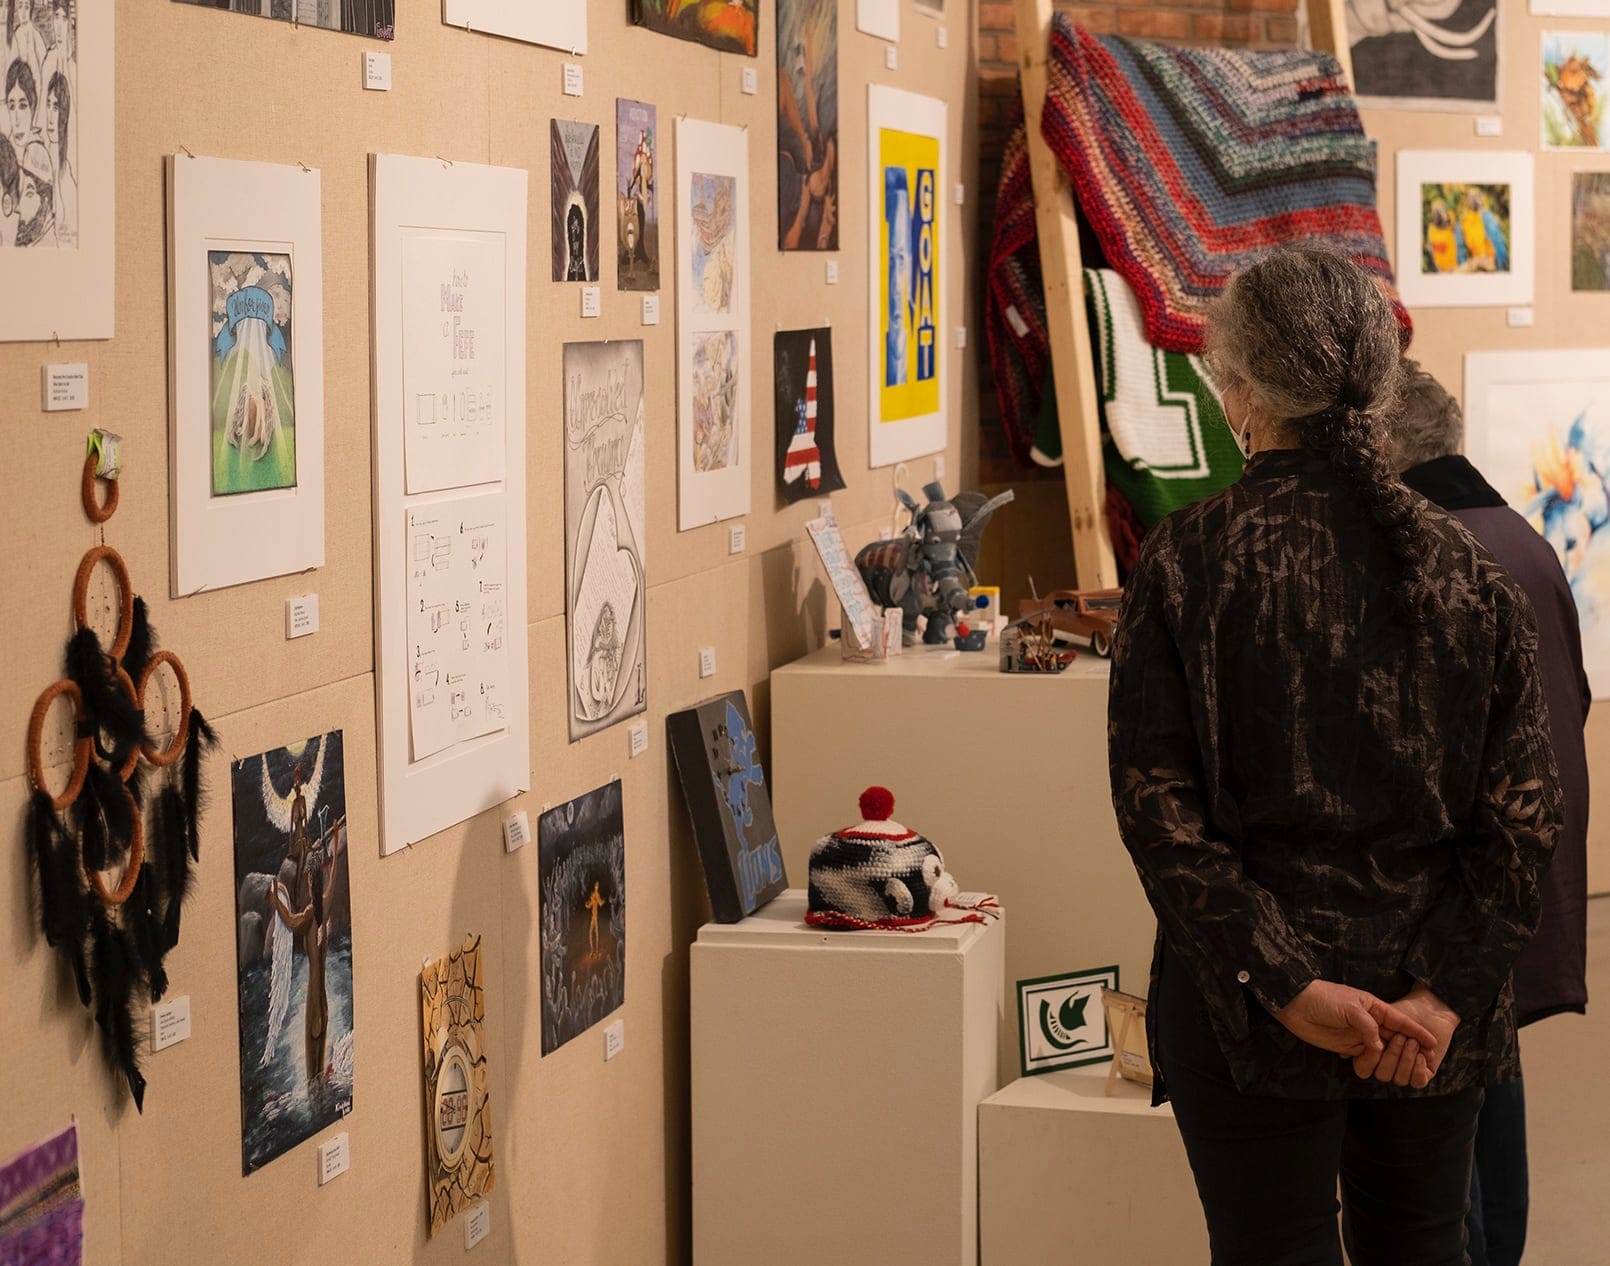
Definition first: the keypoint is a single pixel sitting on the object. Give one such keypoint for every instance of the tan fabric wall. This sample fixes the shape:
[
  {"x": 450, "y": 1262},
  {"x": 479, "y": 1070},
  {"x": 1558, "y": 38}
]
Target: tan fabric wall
[{"x": 593, "y": 1160}]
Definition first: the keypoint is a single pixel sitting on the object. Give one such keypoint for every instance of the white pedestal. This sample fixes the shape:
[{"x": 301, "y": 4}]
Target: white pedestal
[
  {"x": 1005, "y": 773},
  {"x": 836, "y": 1084},
  {"x": 1069, "y": 1175}
]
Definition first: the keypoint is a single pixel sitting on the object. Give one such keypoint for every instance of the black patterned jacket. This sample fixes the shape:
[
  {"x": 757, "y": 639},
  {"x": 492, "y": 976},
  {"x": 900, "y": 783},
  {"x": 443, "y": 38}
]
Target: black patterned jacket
[{"x": 1313, "y": 786}]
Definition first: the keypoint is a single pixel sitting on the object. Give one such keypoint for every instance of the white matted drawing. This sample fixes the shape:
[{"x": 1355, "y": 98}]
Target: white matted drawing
[
  {"x": 57, "y": 184},
  {"x": 879, "y": 17},
  {"x": 906, "y": 226},
  {"x": 606, "y": 591},
  {"x": 552, "y": 23},
  {"x": 245, "y": 372},
  {"x": 1464, "y": 228},
  {"x": 450, "y": 565},
  {"x": 1537, "y": 425},
  {"x": 714, "y": 452},
  {"x": 453, "y": 372}
]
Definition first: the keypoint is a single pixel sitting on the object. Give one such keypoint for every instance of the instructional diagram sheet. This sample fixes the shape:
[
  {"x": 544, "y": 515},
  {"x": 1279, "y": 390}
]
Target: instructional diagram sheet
[{"x": 458, "y": 623}]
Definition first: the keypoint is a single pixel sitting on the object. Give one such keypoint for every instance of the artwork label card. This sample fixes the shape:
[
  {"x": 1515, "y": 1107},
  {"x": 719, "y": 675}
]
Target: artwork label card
[
  {"x": 574, "y": 188},
  {"x": 1440, "y": 56},
  {"x": 807, "y": 461},
  {"x": 453, "y": 359},
  {"x": 606, "y": 589},
  {"x": 252, "y": 362},
  {"x": 581, "y": 857},
  {"x": 637, "y": 200},
  {"x": 458, "y": 621},
  {"x": 458, "y": 1092},
  {"x": 808, "y": 207},
  {"x": 293, "y": 937}
]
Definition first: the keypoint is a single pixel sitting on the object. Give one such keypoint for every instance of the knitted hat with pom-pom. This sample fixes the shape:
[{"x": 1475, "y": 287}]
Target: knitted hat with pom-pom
[{"x": 877, "y": 873}]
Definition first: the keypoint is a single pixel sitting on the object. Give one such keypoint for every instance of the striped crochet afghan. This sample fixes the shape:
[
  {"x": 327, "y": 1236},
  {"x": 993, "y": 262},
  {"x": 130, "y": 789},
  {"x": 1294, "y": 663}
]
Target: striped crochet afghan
[{"x": 1188, "y": 163}]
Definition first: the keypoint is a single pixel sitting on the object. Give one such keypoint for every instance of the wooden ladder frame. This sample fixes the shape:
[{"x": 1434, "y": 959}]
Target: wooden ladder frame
[{"x": 1060, "y": 270}]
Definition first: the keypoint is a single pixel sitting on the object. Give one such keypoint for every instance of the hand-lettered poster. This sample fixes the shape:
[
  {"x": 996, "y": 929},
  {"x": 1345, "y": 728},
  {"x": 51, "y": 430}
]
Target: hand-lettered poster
[
  {"x": 253, "y": 398},
  {"x": 724, "y": 783},
  {"x": 606, "y": 594},
  {"x": 581, "y": 856},
  {"x": 807, "y": 125},
  {"x": 293, "y": 937},
  {"x": 637, "y": 215},
  {"x": 574, "y": 185},
  {"x": 458, "y": 1093},
  {"x": 807, "y": 464}
]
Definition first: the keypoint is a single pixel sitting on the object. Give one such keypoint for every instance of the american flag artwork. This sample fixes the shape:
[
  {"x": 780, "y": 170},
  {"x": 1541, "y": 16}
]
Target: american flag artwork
[{"x": 803, "y": 459}]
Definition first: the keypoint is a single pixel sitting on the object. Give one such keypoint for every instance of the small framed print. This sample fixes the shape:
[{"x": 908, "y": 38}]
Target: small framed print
[{"x": 1061, "y": 1022}]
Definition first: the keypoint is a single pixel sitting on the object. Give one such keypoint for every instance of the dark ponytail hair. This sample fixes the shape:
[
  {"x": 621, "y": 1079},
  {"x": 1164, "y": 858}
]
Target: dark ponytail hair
[{"x": 1312, "y": 340}]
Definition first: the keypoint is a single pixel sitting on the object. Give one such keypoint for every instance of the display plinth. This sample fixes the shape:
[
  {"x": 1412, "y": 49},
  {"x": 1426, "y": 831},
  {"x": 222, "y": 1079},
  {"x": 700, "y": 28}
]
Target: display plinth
[
  {"x": 1005, "y": 773},
  {"x": 1067, "y": 1174},
  {"x": 836, "y": 1083}
]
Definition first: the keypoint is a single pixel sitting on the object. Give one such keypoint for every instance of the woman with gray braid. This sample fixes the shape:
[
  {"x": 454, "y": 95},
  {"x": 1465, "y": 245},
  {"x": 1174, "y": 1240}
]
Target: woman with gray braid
[{"x": 1330, "y": 762}]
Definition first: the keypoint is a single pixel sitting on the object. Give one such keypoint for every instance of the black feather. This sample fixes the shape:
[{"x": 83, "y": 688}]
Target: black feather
[
  {"x": 173, "y": 861},
  {"x": 44, "y": 828},
  {"x": 142, "y": 641},
  {"x": 202, "y": 740},
  {"x": 144, "y": 929},
  {"x": 106, "y": 821},
  {"x": 116, "y": 975},
  {"x": 114, "y": 721}
]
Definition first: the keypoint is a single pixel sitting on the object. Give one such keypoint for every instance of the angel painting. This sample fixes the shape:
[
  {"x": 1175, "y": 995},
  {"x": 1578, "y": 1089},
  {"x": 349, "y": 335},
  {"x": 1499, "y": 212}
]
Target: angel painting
[{"x": 294, "y": 937}]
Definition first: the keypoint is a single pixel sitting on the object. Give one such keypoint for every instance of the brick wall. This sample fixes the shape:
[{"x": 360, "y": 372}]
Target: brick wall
[{"x": 1231, "y": 23}]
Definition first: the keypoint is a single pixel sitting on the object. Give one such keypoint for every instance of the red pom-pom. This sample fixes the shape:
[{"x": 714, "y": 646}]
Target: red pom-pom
[
  {"x": 962, "y": 630},
  {"x": 877, "y": 803}
]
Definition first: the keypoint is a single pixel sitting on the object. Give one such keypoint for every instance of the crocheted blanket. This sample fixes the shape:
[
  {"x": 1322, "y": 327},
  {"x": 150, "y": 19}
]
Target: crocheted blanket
[{"x": 1188, "y": 163}]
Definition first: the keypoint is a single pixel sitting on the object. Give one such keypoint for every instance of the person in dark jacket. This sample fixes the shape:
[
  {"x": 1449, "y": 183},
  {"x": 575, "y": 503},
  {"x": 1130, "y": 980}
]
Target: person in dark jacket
[
  {"x": 1330, "y": 762},
  {"x": 1550, "y": 976}
]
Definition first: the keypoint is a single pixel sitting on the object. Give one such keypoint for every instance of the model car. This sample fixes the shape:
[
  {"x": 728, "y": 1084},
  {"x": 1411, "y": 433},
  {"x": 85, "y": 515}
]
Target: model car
[{"x": 1086, "y": 617}]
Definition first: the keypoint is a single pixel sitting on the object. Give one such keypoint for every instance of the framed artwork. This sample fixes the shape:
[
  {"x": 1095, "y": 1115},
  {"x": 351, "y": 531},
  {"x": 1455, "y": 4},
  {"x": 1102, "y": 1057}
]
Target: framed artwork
[
  {"x": 573, "y": 182},
  {"x": 906, "y": 226},
  {"x": 551, "y": 25},
  {"x": 458, "y": 1091},
  {"x": 880, "y": 18},
  {"x": 581, "y": 857},
  {"x": 1442, "y": 56},
  {"x": 637, "y": 200},
  {"x": 808, "y": 207},
  {"x": 606, "y": 590},
  {"x": 802, "y": 380},
  {"x": 1590, "y": 230},
  {"x": 43, "y": 1203},
  {"x": 1537, "y": 425},
  {"x": 449, "y": 313},
  {"x": 1061, "y": 1021},
  {"x": 713, "y": 331},
  {"x": 718, "y": 762},
  {"x": 246, "y": 372},
  {"x": 374, "y": 18},
  {"x": 293, "y": 939},
  {"x": 57, "y": 257},
  {"x": 1575, "y": 65},
  {"x": 728, "y": 25},
  {"x": 1465, "y": 228}
]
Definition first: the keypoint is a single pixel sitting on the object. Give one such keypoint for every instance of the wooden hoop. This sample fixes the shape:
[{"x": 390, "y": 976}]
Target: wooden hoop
[
  {"x": 98, "y": 511},
  {"x": 120, "y": 570},
  {"x": 171, "y": 753},
  {"x": 36, "y": 738},
  {"x": 131, "y": 868}
]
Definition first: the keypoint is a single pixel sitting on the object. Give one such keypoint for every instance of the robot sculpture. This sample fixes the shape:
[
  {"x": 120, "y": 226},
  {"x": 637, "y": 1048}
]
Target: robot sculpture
[{"x": 928, "y": 568}]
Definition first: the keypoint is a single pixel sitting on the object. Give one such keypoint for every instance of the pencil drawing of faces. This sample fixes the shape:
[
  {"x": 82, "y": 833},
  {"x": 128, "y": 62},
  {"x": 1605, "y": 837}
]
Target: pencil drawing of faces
[{"x": 21, "y": 93}]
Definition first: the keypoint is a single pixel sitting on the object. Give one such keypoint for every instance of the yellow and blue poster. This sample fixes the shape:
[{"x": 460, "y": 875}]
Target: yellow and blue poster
[{"x": 908, "y": 246}]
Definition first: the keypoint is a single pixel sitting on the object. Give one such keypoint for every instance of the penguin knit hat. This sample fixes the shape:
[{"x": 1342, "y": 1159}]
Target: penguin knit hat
[{"x": 877, "y": 873}]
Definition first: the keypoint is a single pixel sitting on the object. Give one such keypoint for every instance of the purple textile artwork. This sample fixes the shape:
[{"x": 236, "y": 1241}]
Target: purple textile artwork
[{"x": 42, "y": 1205}]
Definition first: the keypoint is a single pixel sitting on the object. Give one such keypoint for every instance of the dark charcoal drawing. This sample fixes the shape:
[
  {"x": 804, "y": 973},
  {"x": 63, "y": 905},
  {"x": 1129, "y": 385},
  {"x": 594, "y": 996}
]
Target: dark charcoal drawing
[
  {"x": 729, "y": 25},
  {"x": 637, "y": 203},
  {"x": 39, "y": 155},
  {"x": 1419, "y": 53},
  {"x": 807, "y": 464},
  {"x": 807, "y": 125},
  {"x": 581, "y": 859},
  {"x": 574, "y": 183},
  {"x": 294, "y": 945},
  {"x": 375, "y": 18}
]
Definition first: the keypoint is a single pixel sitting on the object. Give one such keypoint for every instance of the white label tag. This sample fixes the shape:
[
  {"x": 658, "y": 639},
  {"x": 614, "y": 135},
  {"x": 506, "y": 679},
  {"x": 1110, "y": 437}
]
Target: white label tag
[
  {"x": 592, "y": 301},
  {"x": 891, "y": 58},
  {"x": 832, "y": 272},
  {"x": 170, "y": 1023},
  {"x": 477, "y": 1224},
  {"x": 302, "y": 615},
  {"x": 651, "y": 309},
  {"x": 614, "y": 1039},
  {"x": 941, "y": 37},
  {"x": 707, "y": 661},
  {"x": 64, "y": 387},
  {"x": 377, "y": 71},
  {"x": 1489, "y": 125},
  {"x": 748, "y": 81},
  {"x": 335, "y": 1158},
  {"x": 572, "y": 79},
  {"x": 516, "y": 831},
  {"x": 1020, "y": 327},
  {"x": 1518, "y": 317},
  {"x": 637, "y": 738},
  {"x": 737, "y": 537}
]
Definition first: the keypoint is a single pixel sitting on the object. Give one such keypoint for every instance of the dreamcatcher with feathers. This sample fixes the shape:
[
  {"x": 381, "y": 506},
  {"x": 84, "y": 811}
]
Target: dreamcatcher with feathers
[{"x": 130, "y": 807}]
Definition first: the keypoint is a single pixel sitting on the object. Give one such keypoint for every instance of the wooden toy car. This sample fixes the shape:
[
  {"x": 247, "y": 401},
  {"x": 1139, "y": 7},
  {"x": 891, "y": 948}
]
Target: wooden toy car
[{"x": 1082, "y": 616}]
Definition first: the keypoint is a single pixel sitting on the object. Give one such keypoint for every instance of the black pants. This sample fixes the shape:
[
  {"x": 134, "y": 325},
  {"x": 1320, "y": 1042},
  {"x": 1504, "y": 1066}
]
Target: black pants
[
  {"x": 1499, "y": 1196},
  {"x": 1267, "y": 1169}
]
